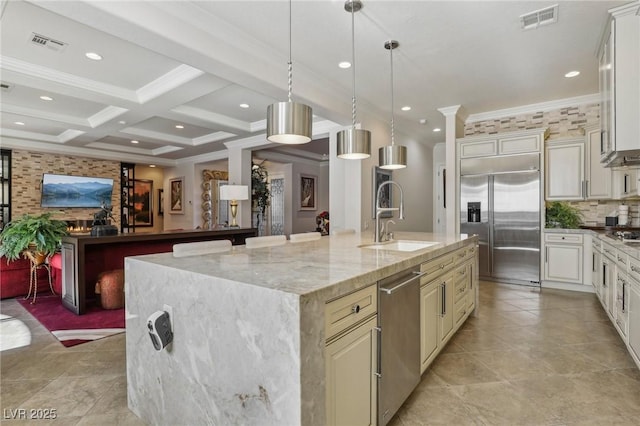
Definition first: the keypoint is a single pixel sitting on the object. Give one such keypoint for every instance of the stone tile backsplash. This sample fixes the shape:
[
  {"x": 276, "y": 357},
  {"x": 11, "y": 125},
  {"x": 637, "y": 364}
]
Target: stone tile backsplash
[{"x": 594, "y": 212}]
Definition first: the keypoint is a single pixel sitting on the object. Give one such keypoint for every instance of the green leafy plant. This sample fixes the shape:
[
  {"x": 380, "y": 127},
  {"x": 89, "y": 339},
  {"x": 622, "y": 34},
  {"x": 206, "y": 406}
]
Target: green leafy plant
[
  {"x": 260, "y": 193},
  {"x": 560, "y": 214},
  {"x": 35, "y": 232}
]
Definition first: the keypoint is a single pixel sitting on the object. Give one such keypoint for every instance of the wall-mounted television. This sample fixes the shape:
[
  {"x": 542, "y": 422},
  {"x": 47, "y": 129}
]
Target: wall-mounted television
[{"x": 75, "y": 191}]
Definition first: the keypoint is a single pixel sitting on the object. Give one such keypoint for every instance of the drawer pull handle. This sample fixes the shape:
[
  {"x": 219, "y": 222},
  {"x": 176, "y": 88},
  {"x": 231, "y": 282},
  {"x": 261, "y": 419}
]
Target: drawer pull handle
[
  {"x": 355, "y": 309},
  {"x": 634, "y": 269}
]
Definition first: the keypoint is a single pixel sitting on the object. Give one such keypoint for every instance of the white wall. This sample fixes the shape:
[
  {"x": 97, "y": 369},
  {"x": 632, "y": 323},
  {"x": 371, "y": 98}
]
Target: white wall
[
  {"x": 415, "y": 180},
  {"x": 191, "y": 217}
]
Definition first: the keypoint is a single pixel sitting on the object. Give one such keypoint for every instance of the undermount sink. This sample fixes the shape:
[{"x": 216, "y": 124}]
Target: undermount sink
[{"x": 400, "y": 245}]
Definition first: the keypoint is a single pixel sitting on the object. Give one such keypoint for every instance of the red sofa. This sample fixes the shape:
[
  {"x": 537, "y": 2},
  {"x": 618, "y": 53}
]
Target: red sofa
[{"x": 14, "y": 277}]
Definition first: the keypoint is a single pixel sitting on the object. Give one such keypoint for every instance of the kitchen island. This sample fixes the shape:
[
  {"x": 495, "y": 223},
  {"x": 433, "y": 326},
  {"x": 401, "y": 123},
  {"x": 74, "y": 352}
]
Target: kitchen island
[{"x": 250, "y": 330}]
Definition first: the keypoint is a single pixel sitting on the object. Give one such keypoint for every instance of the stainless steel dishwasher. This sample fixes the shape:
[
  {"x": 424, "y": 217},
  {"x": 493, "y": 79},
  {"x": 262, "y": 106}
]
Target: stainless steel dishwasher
[{"x": 399, "y": 342}]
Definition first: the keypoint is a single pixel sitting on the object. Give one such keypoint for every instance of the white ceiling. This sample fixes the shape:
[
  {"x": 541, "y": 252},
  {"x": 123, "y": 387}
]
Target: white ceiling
[{"x": 192, "y": 63}]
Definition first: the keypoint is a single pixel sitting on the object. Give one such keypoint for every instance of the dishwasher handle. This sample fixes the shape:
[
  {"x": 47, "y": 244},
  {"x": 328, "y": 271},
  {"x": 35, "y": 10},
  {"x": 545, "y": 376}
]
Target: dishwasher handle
[{"x": 404, "y": 283}]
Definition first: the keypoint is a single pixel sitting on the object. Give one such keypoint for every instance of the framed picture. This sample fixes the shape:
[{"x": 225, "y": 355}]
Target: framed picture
[
  {"x": 177, "y": 195},
  {"x": 143, "y": 202},
  {"x": 160, "y": 202},
  {"x": 380, "y": 176},
  {"x": 308, "y": 192}
]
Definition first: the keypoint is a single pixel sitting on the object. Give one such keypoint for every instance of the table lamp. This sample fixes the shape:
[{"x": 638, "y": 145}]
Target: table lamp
[{"x": 234, "y": 193}]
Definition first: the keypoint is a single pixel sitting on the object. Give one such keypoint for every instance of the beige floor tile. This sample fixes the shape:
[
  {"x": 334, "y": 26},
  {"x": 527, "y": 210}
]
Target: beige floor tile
[
  {"x": 462, "y": 369},
  {"x": 512, "y": 364}
]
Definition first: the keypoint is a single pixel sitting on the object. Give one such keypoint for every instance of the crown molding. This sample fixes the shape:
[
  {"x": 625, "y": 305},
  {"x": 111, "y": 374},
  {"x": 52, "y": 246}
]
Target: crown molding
[
  {"x": 258, "y": 141},
  {"x": 63, "y": 137},
  {"x": 44, "y": 115},
  {"x": 175, "y": 78},
  {"x": 223, "y": 154},
  {"x": 37, "y": 71},
  {"x": 212, "y": 137},
  {"x": 532, "y": 108}
]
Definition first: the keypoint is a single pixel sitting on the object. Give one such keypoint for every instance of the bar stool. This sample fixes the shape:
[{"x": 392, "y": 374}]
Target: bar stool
[
  {"x": 266, "y": 241},
  {"x": 38, "y": 260},
  {"x": 200, "y": 247},
  {"x": 305, "y": 236}
]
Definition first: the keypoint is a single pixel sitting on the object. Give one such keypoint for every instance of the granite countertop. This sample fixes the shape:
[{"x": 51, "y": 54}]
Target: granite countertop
[{"x": 306, "y": 267}]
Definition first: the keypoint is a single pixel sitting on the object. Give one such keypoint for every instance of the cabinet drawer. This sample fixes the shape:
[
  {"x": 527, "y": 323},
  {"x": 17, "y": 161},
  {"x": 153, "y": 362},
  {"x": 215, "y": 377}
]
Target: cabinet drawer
[
  {"x": 342, "y": 313},
  {"x": 461, "y": 310},
  {"x": 478, "y": 149},
  {"x": 596, "y": 245},
  {"x": 563, "y": 238},
  {"x": 609, "y": 251},
  {"x": 436, "y": 267},
  {"x": 471, "y": 251},
  {"x": 621, "y": 260},
  {"x": 519, "y": 145}
]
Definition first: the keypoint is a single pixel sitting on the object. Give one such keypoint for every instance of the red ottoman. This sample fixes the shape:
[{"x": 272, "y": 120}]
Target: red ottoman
[
  {"x": 110, "y": 287},
  {"x": 56, "y": 272}
]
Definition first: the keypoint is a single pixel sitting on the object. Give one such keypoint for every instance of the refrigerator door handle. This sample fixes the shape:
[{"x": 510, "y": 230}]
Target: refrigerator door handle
[{"x": 546, "y": 255}]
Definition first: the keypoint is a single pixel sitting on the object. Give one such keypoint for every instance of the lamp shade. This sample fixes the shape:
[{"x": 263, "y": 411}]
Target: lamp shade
[
  {"x": 392, "y": 157},
  {"x": 234, "y": 192},
  {"x": 354, "y": 144},
  {"x": 289, "y": 123}
]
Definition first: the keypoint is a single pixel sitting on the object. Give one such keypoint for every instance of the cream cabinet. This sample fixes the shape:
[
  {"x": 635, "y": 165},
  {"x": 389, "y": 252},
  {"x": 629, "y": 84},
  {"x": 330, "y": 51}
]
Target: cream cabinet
[
  {"x": 564, "y": 170},
  {"x": 598, "y": 179},
  {"x": 563, "y": 258},
  {"x": 447, "y": 297},
  {"x": 634, "y": 309},
  {"x": 502, "y": 144},
  {"x": 620, "y": 83},
  {"x": 351, "y": 358}
]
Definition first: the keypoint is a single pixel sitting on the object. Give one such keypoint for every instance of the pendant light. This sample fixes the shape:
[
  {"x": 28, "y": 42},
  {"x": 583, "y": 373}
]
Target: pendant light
[
  {"x": 289, "y": 122},
  {"x": 353, "y": 144},
  {"x": 392, "y": 156}
]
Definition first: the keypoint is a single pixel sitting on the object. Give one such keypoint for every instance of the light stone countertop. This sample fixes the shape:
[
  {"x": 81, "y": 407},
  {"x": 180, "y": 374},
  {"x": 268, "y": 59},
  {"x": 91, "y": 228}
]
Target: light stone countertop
[{"x": 303, "y": 268}]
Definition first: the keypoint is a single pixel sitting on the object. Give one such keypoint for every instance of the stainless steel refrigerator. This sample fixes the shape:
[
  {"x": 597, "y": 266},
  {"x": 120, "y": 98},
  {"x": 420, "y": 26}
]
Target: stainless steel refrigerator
[{"x": 500, "y": 201}]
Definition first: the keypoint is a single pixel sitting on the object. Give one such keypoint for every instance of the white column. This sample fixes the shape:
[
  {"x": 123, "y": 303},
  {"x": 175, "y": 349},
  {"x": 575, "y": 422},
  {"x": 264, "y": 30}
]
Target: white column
[{"x": 454, "y": 116}]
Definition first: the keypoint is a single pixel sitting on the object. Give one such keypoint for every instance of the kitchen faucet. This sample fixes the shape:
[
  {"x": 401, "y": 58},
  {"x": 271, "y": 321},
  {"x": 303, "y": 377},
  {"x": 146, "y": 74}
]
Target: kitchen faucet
[{"x": 377, "y": 237}]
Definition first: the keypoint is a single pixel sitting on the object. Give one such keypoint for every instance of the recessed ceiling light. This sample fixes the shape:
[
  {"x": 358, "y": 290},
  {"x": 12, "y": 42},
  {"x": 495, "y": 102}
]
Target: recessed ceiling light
[
  {"x": 572, "y": 74},
  {"x": 19, "y": 123},
  {"x": 46, "y": 98},
  {"x": 244, "y": 105},
  {"x": 406, "y": 108},
  {"x": 152, "y": 165},
  {"x": 437, "y": 129},
  {"x": 423, "y": 121},
  {"x": 179, "y": 126},
  {"x": 93, "y": 56},
  {"x": 122, "y": 122},
  {"x": 344, "y": 64},
  {"x": 135, "y": 142}
]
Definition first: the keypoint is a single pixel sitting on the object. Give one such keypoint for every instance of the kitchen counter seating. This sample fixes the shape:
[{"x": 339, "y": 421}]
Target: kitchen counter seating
[
  {"x": 249, "y": 324},
  {"x": 84, "y": 257}
]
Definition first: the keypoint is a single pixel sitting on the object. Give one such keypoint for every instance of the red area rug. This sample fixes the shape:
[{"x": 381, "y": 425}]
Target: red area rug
[{"x": 71, "y": 329}]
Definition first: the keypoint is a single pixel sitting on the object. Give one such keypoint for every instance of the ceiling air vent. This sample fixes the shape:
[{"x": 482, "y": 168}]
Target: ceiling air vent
[
  {"x": 535, "y": 19},
  {"x": 45, "y": 41}
]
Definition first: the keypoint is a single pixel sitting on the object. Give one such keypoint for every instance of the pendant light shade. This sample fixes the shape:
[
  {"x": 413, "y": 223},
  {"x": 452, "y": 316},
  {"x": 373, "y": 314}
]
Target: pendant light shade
[
  {"x": 392, "y": 156},
  {"x": 289, "y": 122},
  {"x": 354, "y": 144}
]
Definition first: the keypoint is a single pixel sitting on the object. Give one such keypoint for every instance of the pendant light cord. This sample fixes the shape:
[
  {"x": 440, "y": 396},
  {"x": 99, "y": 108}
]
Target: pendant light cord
[
  {"x": 290, "y": 77},
  {"x": 392, "y": 114},
  {"x": 353, "y": 66}
]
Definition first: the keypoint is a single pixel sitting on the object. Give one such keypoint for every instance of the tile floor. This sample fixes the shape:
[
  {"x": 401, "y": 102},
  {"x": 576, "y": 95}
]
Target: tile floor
[{"x": 532, "y": 357}]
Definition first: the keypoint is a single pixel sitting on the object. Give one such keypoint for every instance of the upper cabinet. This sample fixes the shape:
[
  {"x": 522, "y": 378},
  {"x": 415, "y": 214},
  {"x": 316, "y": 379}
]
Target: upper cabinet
[
  {"x": 525, "y": 141},
  {"x": 573, "y": 170},
  {"x": 619, "y": 59}
]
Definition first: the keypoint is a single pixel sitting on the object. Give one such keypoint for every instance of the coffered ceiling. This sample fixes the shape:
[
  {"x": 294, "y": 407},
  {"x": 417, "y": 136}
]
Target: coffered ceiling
[{"x": 191, "y": 64}]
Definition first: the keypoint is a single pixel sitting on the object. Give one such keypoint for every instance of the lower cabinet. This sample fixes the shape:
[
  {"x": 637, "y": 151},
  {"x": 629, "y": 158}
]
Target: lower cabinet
[
  {"x": 351, "y": 387},
  {"x": 446, "y": 300},
  {"x": 563, "y": 255},
  {"x": 634, "y": 320}
]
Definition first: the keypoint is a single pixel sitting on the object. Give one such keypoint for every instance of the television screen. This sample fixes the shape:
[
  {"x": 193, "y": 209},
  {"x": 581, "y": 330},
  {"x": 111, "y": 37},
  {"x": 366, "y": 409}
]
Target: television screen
[{"x": 75, "y": 191}]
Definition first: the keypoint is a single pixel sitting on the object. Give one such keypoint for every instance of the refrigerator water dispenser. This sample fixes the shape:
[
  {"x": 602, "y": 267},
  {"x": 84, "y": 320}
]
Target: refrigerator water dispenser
[{"x": 473, "y": 212}]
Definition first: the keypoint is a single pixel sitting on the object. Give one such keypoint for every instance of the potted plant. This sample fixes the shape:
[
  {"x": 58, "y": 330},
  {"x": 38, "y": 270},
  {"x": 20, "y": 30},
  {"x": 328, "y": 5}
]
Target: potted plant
[
  {"x": 36, "y": 233},
  {"x": 560, "y": 214}
]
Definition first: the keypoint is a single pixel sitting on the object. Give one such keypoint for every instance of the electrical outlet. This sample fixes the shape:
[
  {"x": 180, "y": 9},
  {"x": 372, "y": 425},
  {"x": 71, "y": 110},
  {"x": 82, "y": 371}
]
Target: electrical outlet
[{"x": 168, "y": 309}]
